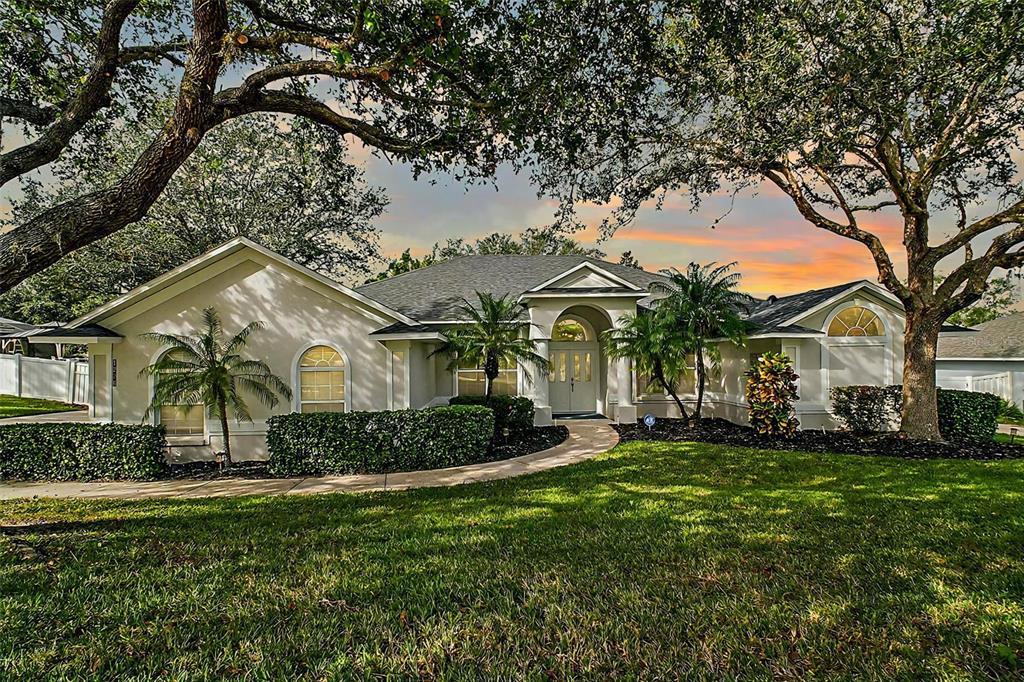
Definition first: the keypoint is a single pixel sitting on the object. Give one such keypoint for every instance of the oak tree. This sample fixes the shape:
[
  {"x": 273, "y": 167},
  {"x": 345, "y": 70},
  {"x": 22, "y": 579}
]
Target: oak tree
[{"x": 909, "y": 108}]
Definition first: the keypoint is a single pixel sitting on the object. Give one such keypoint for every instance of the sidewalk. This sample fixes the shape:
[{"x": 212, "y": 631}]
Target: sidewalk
[{"x": 586, "y": 439}]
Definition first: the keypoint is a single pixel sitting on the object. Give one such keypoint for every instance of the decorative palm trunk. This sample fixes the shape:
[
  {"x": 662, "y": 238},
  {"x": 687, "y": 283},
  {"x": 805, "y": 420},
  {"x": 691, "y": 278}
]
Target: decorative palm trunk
[
  {"x": 659, "y": 374},
  {"x": 222, "y": 410},
  {"x": 919, "y": 417},
  {"x": 491, "y": 371},
  {"x": 698, "y": 357}
]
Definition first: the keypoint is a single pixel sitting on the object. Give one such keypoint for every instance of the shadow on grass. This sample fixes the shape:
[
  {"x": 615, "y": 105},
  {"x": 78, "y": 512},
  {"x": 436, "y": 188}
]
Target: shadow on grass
[{"x": 656, "y": 559}]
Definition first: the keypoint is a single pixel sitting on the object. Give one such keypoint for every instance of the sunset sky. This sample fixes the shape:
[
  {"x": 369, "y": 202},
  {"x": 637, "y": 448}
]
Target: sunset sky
[{"x": 777, "y": 251}]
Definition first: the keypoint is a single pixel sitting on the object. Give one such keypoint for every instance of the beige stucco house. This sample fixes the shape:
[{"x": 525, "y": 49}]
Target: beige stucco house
[{"x": 369, "y": 348}]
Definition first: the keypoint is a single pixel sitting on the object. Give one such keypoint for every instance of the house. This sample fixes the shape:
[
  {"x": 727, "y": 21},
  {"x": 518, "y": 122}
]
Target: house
[
  {"x": 369, "y": 347},
  {"x": 15, "y": 338},
  {"x": 990, "y": 360}
]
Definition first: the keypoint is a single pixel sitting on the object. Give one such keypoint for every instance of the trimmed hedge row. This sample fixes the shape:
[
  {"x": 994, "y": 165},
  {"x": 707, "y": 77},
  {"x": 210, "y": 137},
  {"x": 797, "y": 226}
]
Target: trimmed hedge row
[
  {"x": 81, "y": 452},
  {"x": 378, "y": 442},
  {"x": 964, "y": 416},
  {"x": 511, "y": 412}
]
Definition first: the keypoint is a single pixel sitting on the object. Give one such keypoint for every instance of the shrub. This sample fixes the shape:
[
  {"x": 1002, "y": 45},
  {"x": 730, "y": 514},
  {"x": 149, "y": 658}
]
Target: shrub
[
  {"x": 81, "y": 452},
  {"x": 512, "y": 412},
  {"x": 771, "y": 390},
  {"x": 1010, "y": 413},
  {"x": 864, "y": 409},
  {"x": 963, "y": 415},
  {"x": 378, "y": 442},
  {"x": 968, "y": 416}
]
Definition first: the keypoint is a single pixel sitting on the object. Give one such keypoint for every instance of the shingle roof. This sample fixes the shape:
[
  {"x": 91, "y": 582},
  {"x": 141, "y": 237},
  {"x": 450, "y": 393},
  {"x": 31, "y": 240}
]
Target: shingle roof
[
  {"x": 435, "y": 292},
  {"x": 81, "y": 331},
  {"x": 774, "y": 313},
  {"x": 1002, "y": 337},
  {"x": 8, "y": 328}
]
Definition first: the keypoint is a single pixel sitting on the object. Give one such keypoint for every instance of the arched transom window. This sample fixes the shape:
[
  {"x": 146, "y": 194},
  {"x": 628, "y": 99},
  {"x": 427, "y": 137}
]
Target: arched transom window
[
  {"x": 570, "y": 329},
  {"x": 322, "y": 380},
  {"x": 856, "y": 321}
]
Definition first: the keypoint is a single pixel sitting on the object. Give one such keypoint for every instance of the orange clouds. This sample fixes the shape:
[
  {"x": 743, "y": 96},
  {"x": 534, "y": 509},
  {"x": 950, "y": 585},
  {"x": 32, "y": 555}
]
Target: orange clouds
[{"x": 779, "y": 260}]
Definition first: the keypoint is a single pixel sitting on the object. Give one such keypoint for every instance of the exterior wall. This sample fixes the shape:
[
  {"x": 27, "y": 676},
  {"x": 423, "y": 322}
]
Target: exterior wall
[
  {"x": 299, "y": 313},
  {"x": 955, "y": 374},
  {"x": 422, "y": 375}
]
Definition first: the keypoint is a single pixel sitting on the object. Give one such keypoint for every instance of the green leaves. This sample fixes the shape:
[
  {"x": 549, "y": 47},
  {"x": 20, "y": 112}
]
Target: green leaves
[
  {"x": 81, "y": 452},
  {"x": 378, "y": 442},
  {"x": 771, "y": 390},
  {"x": 497, "y": 334},
  {"x": 512, "y": 412}
]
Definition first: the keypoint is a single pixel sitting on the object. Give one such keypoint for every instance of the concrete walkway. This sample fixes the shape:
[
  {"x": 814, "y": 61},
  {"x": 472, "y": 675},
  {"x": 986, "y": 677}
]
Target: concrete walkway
[{"x": 586, "y": 439}]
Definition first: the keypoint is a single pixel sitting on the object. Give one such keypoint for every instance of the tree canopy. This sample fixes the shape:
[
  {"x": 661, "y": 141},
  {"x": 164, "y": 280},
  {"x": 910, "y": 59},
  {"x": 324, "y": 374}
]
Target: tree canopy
[
  {"x": 530, "y": 242},
  {"x": 909, "y": 109},
  {"x": 451, "y": 85},
  {"x": 290, "y": 188}
]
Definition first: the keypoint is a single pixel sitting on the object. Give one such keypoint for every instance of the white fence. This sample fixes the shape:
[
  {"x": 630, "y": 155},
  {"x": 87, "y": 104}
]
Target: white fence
[
  {"x": 66, "y": 380},
  {"x": 1000, "y": 384}
]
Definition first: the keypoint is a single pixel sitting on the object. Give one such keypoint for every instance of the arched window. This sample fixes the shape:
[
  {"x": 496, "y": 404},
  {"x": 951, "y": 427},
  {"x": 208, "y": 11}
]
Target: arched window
[
  {"x": 856, "y": 321},
  {"x": 181, "y": 420},
  {"x": 570, "y": 329},
  {"x": 321, "y": 380}
]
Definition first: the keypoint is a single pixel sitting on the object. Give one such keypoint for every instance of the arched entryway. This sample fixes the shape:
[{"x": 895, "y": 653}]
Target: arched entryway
[{"x": 577, "y": 371}]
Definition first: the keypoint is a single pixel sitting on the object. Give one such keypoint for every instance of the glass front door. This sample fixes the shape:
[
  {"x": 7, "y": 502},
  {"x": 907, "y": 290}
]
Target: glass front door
[{"x": 572, "y": 378}]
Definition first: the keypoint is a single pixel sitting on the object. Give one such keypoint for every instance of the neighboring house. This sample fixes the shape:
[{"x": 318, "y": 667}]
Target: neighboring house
[
  {"x": 990, "y": 360},
  {"x": 14, "y": 338},
  {"x": 369, "y": 348}
]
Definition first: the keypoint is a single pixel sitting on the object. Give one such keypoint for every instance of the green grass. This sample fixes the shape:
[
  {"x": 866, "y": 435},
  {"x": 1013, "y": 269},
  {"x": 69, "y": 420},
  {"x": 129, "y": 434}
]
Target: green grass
[
  {"x": 13, "y": 406},
  {"x": 651, "y": 561}
]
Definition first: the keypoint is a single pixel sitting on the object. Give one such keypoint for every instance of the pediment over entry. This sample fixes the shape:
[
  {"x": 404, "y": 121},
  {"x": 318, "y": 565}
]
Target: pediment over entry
[{"x": 586, "y": 276}]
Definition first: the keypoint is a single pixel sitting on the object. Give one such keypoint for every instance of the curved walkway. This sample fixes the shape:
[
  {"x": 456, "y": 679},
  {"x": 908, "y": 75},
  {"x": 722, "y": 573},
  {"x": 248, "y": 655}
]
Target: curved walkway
[{"x": 586, "y": 439}]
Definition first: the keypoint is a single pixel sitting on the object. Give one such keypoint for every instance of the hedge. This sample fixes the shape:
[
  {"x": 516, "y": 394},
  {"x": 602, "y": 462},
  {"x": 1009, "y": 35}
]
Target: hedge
[
  {"x": 963, "y": 415},
  {"x": 81, "y": 452},
  {"x": 512, "y": 412},
  {"x": 378, "y": 442},
  {"x": 968, "y": 416}
]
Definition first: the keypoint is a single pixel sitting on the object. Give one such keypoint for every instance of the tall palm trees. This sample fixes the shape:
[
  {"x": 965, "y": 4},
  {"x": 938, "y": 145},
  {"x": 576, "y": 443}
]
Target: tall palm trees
[
  {"x": 209, "y": 370},
  {"x": 656, "y": 350},
  {"x": 496, "y": 334},
  {"x": 703, "y": 306}
]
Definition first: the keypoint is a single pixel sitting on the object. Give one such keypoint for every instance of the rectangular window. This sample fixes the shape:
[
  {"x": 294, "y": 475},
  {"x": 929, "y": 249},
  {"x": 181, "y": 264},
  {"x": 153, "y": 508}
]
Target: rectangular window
[
  {"x": 473, "y": 381},
  {"x": 182, "y": 420}
]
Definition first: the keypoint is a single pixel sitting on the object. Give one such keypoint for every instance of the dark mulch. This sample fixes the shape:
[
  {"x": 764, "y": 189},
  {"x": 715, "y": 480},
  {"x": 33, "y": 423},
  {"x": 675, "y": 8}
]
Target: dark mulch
[
  {"x": 534, "y": 440},
  {"x": 209, "y": 471},
  {"x": 723, "y": 432},
  {"x": 526, "y": 443}
]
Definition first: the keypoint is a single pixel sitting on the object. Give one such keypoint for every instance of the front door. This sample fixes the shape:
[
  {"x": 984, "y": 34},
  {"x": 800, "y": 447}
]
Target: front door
[{"x": 572, "y": 378}]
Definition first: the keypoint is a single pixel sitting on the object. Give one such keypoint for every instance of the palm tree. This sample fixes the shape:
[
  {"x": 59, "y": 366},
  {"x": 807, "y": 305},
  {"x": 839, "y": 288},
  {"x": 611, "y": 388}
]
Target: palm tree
[
  {"x": 497, "y": 333},
  {"x": 207, "y": 370},
  {"x": 704, "y": 307},
  {"x": 655, "y": 348}
]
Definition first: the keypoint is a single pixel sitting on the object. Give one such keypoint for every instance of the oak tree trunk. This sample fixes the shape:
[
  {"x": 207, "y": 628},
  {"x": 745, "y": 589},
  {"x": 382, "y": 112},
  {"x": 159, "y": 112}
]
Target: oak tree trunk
[
  {"x": 47, "y": 237},
  {"x": 919, "y": 416}
]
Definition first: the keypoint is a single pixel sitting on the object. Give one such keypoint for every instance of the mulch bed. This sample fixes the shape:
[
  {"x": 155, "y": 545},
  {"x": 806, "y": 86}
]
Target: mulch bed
[
  {"x": 534, "y": 440},
  {"x": 722, "y": 432}
]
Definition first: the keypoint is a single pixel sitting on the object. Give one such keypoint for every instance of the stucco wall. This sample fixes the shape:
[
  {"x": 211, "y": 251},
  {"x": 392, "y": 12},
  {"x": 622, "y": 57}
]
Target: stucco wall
[{"x": 245, "y": 287}]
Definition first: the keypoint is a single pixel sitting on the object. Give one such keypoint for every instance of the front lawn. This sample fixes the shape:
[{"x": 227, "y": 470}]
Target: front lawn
[
  {"x": 13, "y": 406},
  {"x": 656, "y": 560}
]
